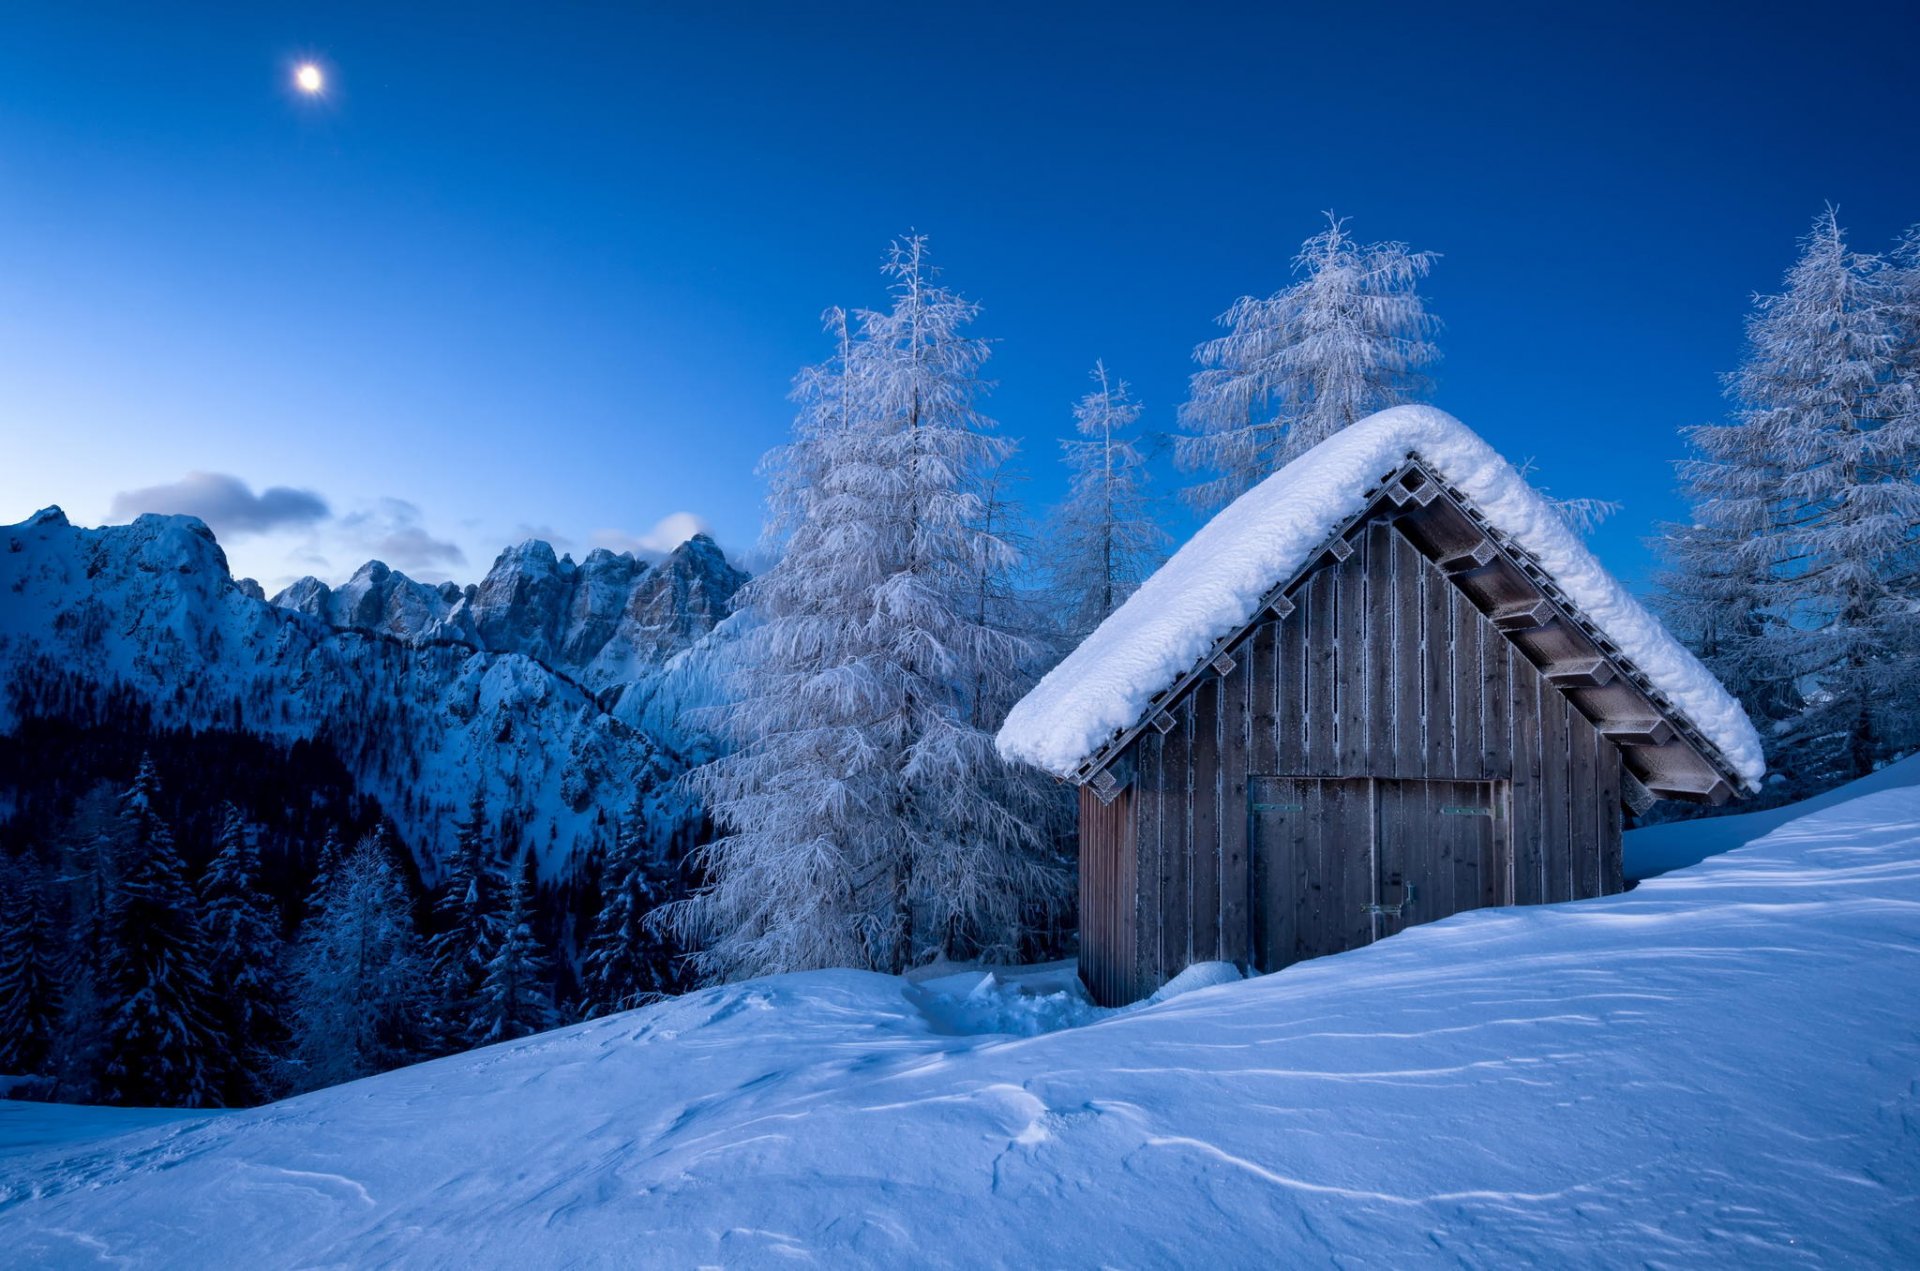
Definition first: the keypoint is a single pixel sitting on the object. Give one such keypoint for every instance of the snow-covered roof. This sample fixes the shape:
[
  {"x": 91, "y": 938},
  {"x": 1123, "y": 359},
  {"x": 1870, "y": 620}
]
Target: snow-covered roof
[{"x": 1217, "y": 582}]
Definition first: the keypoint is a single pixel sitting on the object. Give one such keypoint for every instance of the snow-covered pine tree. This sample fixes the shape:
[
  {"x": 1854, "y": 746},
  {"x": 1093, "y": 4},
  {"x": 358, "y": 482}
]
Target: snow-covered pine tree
[
  {"x": 1104, "y": 540},
  {"x": 1803, "y": 552},
  {"x": 1350, "y": 337},
  {"x": 161, "y": 1042},
  {"x": 85, "y": 877},
  {"x": 359, "y": 980},
  {"x": 515, "y": 996},
  {"x": 29, "y": 968},
  {"x": 628, "y": 962},
  {"x": 859, "y": 813},
  {"x": 244, "y": 959},
  {"x": 467, "y": 917},
  {"x": 328, "y": 859}
]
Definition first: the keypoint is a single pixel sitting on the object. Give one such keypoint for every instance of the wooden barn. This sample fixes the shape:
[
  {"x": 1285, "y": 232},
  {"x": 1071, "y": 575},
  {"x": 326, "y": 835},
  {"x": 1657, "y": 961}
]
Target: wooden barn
[{"x": 1387, "y": 685}]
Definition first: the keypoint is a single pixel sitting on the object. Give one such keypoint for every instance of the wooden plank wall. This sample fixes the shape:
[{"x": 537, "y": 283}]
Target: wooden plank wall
[
  {"x": 1107, "y": 909},
  {"x": 1383, "y": 669}
]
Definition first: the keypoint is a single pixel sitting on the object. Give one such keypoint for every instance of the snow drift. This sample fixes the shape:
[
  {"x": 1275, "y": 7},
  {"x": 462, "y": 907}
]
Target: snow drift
[
  {"x": 1214, "y": 584},
  {"x": 1715, "y": 1069}
]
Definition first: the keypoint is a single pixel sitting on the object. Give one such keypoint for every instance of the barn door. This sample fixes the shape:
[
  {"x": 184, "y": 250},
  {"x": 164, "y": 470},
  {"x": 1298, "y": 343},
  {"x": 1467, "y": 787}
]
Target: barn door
[
  {"x": 1441, "y": 847},
  {"x": 1312, "y": 876},
  {"x": 1340, "y": 862}
]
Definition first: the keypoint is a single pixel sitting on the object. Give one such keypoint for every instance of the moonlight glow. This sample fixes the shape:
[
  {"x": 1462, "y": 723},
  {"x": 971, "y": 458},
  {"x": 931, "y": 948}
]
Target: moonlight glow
[{"x": 308, "y": 78}]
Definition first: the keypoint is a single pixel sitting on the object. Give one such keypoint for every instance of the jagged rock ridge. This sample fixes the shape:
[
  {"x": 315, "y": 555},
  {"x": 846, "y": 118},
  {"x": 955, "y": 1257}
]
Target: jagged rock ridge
[{"x": 609, "y": 621}]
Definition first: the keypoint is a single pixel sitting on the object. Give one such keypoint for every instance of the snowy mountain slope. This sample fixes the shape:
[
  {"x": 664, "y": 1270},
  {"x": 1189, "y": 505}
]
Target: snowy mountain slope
[
  {"x": 377, "y": 667},
  {"x": 1670, "y": 845},
  {"x": 1717, "y": 1069}
]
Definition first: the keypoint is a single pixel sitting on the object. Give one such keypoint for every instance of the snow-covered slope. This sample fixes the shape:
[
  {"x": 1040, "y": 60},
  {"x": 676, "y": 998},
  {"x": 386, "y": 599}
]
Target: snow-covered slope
[
  {"x": 1214, "y": 585},
  {"x": 426, "y": 693},
  {"x": 1671, "y": 845},
  {"x": 1716, "y": 1069}
]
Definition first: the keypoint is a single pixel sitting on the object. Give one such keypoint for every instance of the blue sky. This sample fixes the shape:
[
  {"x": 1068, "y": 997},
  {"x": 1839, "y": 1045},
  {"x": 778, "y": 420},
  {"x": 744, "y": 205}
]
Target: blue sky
[{"x": 550, "y": 269}]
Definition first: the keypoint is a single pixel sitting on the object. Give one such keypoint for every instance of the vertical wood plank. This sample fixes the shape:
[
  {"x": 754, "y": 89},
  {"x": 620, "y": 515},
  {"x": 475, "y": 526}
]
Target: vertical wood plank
[
  {"x": 1350, "y": 663},
  {"x": 1390, "y": 837},
  {"x": 1235, "y": 747},
  {"x": 1352, "y": 924},
  {"x": 1583, "y": 812},
  {"x": 1149, "y": 816},
  {"x": 1472, "y": 837},
  {"x": 1263, "y": 755},
  {"x": 1323, "y": 599},
  {"x": 1436, "y": 635},
  {"x": 1496, "y": 709},
  {"x": 1291, "y": 699},
  {"x": 1554, "y": 794},
  {"x": 1529, "y": 856},
  {"x": 1611, "y": 814},
  {"x": 1302, "y": 864},
  {"x": 1176, "y": 845},
  {"x": 1203, "y": 867},
  {"x": 1468, "y": 688},
  {"x": 1409, "y": 685},
  {"x": 1381, "y": 599},
  {"x": 1499, "y": 880}
]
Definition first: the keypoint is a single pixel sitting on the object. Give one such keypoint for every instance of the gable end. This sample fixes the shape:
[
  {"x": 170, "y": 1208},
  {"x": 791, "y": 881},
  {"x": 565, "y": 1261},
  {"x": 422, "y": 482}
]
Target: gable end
[{"x": 1664, "y": 754}]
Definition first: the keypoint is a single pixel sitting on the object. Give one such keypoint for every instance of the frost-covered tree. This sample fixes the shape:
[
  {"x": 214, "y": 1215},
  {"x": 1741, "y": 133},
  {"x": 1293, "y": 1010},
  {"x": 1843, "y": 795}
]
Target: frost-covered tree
[
  {"x": 628, "y": 962},
  {"x": 1351, "y": 336},
  {"x": 515, "y": 997},
  {"x": 860, "y": 816},
  {"x": 29, "y": 968},
  {"x": 244, "y": 953},
  {"x": 84, "y": 878},
  {"x": 161, "y": 1041},
  {"x": 328, "y": 859},
  {"x": 359, "y": 979},
  {"x": 1104, "y": 540},
  {"x": 467, "y": 916},
  {"x": 1796, "y": 578}
]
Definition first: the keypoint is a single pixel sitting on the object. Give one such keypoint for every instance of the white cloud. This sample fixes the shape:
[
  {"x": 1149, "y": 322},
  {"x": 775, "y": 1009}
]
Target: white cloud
[{"x": 667, "y": 533}]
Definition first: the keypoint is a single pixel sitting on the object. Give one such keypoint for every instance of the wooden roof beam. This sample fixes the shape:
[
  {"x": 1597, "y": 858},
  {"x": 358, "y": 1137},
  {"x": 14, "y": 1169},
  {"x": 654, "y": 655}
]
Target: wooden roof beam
[
  {"x": 1580, "y": 673},
  {"x": 1709, "y": 787},
  {"x": 1478, "y": 556},
  {"x": 1524, "y": 615},
  {"x": 1637, "y": 732}
]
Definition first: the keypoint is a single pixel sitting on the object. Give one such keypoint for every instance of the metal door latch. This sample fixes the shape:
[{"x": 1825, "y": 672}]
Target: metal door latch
[{"x": 1393, "y": 911}]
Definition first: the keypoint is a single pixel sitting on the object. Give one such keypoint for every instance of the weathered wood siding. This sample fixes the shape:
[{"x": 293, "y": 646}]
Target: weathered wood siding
[
  {"x": 1107, "y": 873},
  {"x": 1383, "y": 670}
]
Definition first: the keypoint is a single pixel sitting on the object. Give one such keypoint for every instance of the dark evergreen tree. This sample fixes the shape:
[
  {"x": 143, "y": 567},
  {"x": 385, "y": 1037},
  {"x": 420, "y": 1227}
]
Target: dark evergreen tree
[
  {"x": 244, "y": 951},
  {"x": 87, "y": 871},
  {"x": 359, "y": 980},
  {"x": 467, "y": 917},
  {"x": 515, "y": 996},
  {"x": 29, "y": 969},
  {"x": 161, "y": 1042},
  {"x": 628, "y": 962},
  {"x": 331, "y": 853}
]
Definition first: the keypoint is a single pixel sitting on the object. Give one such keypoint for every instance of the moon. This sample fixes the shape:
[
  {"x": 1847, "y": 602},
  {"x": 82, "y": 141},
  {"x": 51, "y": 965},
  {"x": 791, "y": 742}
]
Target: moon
[{"x": 308, "y": 78}]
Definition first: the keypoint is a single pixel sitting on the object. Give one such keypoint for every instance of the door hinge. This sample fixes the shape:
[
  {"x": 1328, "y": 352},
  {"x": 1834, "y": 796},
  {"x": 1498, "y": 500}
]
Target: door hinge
[
  {"x": 1466, "y": 811},
  {"x": 1279, "y": 807}
]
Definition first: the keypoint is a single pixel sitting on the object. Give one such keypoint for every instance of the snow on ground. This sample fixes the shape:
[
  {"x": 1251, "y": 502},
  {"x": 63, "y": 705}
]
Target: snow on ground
[
  {"x": 1671, "y": 845},
  {"x": 1720, "y": 1068},
  {"x": 1215, "y": 583}
]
